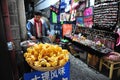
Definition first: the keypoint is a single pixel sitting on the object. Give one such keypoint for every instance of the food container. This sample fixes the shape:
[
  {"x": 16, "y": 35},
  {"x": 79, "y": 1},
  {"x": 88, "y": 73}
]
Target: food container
[
  {"x": 45, "y": 68},
  {"x": 46, "y": 57},
  {"x": 27, "y": 43}
]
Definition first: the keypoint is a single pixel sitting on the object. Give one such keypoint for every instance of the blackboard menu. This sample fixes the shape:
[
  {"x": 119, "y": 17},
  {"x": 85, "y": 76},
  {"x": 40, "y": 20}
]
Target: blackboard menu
[{"x": 105, "y": 15}]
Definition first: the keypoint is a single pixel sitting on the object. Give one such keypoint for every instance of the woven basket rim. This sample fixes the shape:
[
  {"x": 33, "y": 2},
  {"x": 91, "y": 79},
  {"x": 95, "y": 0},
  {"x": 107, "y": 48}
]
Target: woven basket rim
[{"x": 45, "y": 68}]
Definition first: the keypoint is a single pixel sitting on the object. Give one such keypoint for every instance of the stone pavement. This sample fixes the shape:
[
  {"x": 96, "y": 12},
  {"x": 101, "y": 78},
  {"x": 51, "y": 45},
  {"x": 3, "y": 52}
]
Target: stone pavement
[{"x": 80, "y": 71}]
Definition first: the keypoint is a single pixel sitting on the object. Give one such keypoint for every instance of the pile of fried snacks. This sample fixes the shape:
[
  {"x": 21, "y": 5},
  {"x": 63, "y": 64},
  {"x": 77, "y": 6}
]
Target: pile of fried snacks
[{"x": 46, "y": 55}]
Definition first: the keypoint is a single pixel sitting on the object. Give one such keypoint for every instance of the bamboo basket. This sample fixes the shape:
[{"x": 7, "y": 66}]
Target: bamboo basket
[{"x": 45, "y": 68}]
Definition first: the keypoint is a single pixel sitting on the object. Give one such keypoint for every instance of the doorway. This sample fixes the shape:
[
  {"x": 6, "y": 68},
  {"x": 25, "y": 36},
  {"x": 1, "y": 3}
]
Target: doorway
[{"x": 5, "y": 64}]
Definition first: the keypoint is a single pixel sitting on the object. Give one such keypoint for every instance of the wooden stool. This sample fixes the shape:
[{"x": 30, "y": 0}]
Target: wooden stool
[{"x": 111, "y": 65}]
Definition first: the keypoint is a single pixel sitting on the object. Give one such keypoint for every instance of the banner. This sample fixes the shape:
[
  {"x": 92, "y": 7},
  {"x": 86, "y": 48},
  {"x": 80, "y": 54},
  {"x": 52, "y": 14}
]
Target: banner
[{"x": 59, "y": 74}]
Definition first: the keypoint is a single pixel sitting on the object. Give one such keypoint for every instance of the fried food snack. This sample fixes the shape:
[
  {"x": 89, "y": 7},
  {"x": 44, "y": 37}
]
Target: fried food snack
[{"x": 46, "y": 55}]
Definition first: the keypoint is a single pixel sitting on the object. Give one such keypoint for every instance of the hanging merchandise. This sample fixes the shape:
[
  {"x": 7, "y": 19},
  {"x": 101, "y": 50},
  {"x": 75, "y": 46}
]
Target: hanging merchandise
[
  {"x": 54, "y": 15},
  {"x": 118, "y": 40},
  {"x": 63, "y": 17},
  {"x": 73, "y": 15},
  {"x": 58, "y": 31},
  {"x": 65, "y": 5},
  {"x": 54, "y": 9},
  {"x": 88, "y": 21},
  {"x": 88, "y": 17},
  {"x": 68, "y": 10},
  {"x": 103, "y": 1},
  {"x": 76, "y": 1},
  {"x": 66, "y": 29},
  {"x": 68, "y": 17},
  {"x": 88, "y": 11},
  {"x": 80, "y": 21},
  {"x": 105, "y": 15}
]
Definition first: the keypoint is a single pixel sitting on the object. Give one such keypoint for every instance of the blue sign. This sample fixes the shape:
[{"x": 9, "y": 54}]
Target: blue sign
[{"x": 59, "y": 74}]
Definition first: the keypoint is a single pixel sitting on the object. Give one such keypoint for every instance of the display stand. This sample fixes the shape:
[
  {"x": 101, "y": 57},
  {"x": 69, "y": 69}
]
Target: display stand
[
  {"x": 59, "y": 74},
  {"x": 89, "y": 49}
]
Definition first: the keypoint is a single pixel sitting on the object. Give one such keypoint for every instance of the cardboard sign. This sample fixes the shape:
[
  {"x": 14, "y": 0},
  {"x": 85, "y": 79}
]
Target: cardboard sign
[{"x": 59, "y": 74}]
